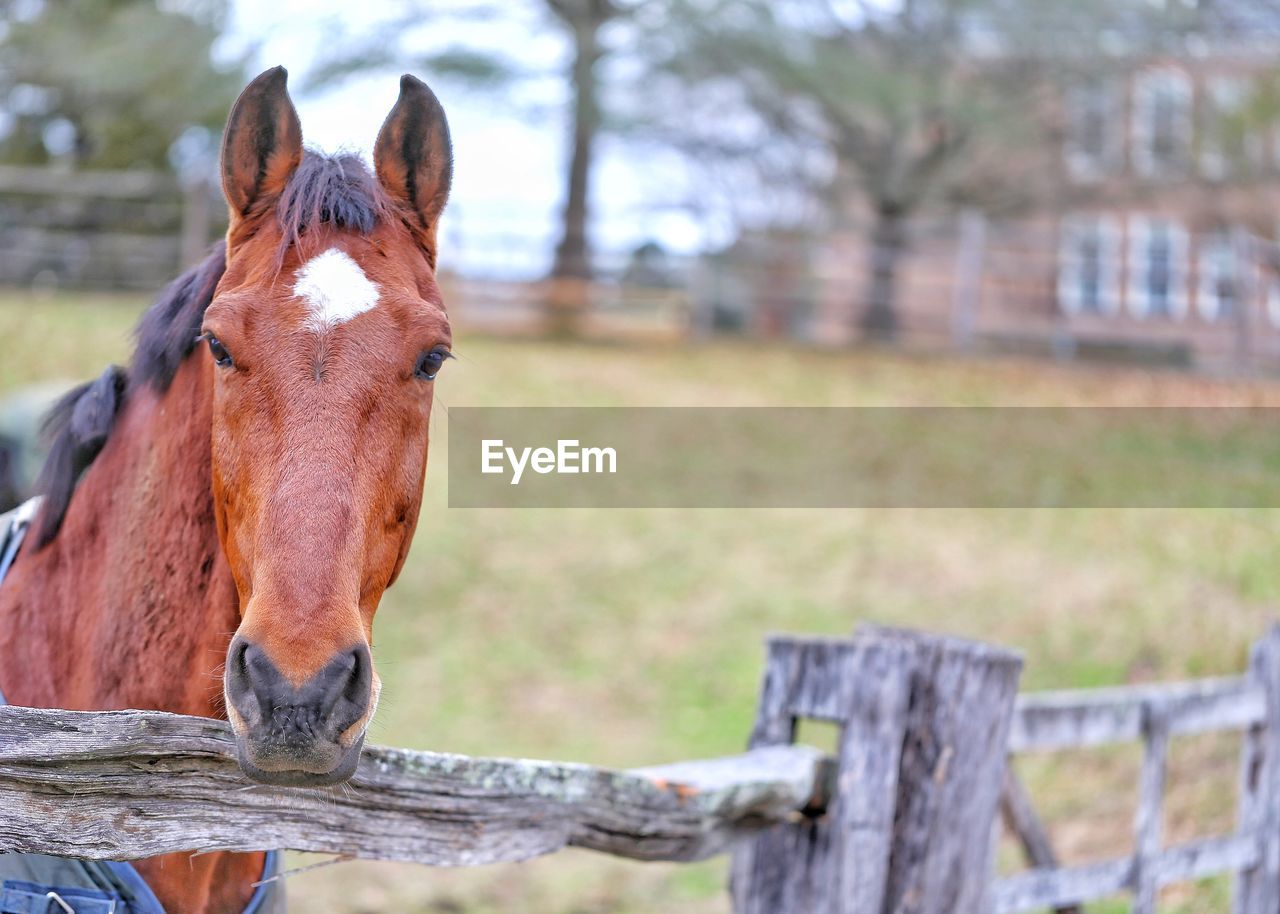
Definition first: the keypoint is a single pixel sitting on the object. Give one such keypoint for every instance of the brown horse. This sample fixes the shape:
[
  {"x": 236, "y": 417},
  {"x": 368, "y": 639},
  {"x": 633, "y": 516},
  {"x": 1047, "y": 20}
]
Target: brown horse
[{"x": 234, "y": 505}]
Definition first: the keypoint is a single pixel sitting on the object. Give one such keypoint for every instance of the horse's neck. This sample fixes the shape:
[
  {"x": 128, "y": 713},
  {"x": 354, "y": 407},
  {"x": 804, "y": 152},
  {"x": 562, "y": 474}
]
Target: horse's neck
[{"x": 131, "y": 605}]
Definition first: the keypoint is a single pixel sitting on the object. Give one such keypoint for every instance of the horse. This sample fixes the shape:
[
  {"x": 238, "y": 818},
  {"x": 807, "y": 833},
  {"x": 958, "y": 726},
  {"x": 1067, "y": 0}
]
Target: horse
[{"x": 220, "y": 519}]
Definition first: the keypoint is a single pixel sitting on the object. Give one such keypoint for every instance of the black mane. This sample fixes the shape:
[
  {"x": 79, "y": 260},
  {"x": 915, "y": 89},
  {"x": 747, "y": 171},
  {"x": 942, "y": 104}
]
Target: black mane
[
  {"x": 338, "y": 190},
  {"x": 167, "y": 332}
]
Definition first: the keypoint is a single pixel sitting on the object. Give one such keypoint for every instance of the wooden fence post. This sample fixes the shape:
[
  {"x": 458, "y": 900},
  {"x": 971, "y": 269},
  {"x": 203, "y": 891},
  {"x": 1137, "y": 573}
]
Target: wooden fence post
[
  {"x": 1148, "y": 823},
  {"x": 836, "y": 864},
  {"x": 966, "y": 290},
  {"x": 924, "y": 728},
  {"x": 953, "y": 763},
  {"x": 1257, "y": 890},
  {"x": 196, "y": 222}
]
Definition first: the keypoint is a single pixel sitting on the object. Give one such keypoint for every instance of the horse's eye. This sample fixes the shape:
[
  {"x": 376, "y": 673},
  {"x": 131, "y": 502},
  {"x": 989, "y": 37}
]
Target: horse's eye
[
  {"x": 218, "y": 351},
  {"x": 430, "y": 362}
]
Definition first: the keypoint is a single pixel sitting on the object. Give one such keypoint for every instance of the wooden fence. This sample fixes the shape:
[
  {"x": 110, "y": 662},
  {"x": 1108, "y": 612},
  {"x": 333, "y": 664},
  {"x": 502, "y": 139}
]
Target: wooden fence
[
  {"x": 101, "y": 229},
  {"x": 900, "y": 820},
  {"x": 1151, "y": 715}
]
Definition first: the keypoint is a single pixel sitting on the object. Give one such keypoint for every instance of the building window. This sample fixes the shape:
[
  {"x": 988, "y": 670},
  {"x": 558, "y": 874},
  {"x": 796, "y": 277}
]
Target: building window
[
  {"x": 1161, "y": 123},
  {"x": 1157, "y": 268},
  {"x": 1226, "y": 147},
  {"x": 1218, "y": 289},
  {"x": 1093, "y": 134},
  {"x": 1089, "y": 266}
]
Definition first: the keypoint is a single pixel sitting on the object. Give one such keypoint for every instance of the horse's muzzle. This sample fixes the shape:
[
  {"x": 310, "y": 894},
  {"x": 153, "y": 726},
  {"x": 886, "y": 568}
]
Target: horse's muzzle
[{"x": 307, "y": 735}]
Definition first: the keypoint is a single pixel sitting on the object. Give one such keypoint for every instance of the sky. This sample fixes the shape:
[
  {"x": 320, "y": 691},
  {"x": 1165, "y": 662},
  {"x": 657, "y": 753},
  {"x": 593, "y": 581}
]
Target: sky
[{"x": 508, "y": 184}]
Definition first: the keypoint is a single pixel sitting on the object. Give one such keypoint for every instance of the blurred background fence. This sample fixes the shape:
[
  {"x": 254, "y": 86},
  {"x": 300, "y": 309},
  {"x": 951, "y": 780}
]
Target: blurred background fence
[
  {"x": 965, "y": 283},
  {"x": 101, "y": 229}
]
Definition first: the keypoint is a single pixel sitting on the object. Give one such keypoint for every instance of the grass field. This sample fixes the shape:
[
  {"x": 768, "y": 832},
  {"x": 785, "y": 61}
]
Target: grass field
[{"x": 634, "y": 637}]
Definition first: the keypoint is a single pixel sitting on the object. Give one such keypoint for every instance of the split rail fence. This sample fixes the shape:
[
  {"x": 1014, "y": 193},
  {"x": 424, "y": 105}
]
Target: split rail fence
[{"x": 901, "y": 818}]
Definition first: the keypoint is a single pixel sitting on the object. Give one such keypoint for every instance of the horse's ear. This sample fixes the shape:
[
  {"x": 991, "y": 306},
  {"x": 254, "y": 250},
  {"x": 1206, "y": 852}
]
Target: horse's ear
[
  {"x": 414, "y": 159},
  {"x": 261, "y": 146}
]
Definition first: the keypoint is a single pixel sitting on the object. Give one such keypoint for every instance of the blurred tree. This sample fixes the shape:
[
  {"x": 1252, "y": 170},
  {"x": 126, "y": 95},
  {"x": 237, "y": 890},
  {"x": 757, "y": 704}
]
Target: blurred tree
[
  {"x": 111, "y": 83},
  {"x": 401, "y": 40},
  {"x": 888, "y": 107},
  {"x": 583, "y": 19}
]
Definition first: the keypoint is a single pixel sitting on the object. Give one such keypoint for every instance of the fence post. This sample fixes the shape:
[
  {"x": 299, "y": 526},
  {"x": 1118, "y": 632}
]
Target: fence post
[
  {"x": 1149, "y": 824},
  {"x": 967, "y": 287},
  {"x": 1257, "y": 889},
  {"x": 953, "y": 763},
  {"x": 196, "y": 222},
  {"x": 924, "y": 728},
  {"x": 836, "y": 864}
]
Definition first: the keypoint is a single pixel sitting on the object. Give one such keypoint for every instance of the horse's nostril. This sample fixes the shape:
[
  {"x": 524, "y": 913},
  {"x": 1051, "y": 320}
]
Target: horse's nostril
[
  {"x": 236, "y": 657},
  {"x": 248, "y": 680},
  {"x": 358, "y": 684},
  {"x": 263, "y": 678},
  {"x": 353, "y": 681}
]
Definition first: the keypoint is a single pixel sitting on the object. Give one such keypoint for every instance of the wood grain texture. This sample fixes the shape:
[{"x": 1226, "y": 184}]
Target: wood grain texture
[
  {"x": 924, "y": 723},
  {"x": 131, "y": 784},
  {"x": 953, "y": 761}
]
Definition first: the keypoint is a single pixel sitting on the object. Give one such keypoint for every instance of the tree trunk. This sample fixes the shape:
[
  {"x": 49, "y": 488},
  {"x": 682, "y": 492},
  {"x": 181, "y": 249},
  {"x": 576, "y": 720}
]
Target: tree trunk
[
  {"x": 568, "y": 296},
  {"x": 573, "y": 253},
  {"x": 879, "y": 319}
]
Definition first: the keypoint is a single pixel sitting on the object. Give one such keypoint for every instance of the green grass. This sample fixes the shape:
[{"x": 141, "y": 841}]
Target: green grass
[{"x": 634, "y": 637}]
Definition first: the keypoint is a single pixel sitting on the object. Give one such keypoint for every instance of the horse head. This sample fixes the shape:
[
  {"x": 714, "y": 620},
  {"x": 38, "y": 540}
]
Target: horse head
[{"x": 323, "y": 337}]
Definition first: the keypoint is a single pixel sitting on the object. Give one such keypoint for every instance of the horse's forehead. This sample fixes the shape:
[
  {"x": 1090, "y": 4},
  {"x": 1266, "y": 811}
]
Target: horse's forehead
[{"x": 334, "y": 283}]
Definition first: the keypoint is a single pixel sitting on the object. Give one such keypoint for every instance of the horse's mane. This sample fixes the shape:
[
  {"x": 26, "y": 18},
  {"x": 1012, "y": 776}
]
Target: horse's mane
[{"x": 338, "y": 189}]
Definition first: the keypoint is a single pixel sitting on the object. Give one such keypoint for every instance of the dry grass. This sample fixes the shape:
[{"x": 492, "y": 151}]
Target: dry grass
[{"x": 633, "y": 637}]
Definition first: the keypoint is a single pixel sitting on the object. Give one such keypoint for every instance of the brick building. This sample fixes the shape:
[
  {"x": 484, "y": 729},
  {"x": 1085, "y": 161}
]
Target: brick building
[{"x": 1157, "y": 237}]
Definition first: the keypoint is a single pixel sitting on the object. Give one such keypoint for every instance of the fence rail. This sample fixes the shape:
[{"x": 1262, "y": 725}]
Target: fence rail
[
  {"x": 132, "y": 784},
  {"x": 898, "y": 820},
  {"x": 1095, "y": 717}
]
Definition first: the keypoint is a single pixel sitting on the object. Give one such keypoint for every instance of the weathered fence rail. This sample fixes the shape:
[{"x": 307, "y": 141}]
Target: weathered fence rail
[
  {"x": 899, "y": 821},
  {"x": 130, "y": 784},
  {"x": 1097, "y": 717}
]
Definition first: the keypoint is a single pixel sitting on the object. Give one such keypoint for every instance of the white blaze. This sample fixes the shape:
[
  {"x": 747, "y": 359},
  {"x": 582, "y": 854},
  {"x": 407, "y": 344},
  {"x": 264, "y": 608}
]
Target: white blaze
[{"x": 334, "y": 288}]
